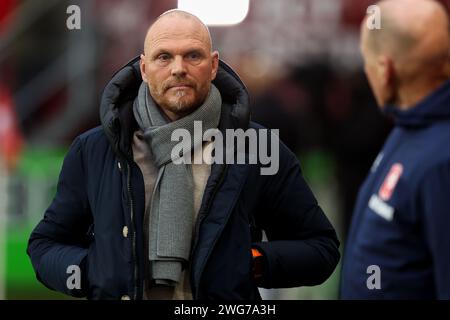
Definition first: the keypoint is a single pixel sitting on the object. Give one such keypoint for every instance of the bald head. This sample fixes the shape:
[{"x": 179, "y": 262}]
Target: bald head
[
  {"x": 412, "y": 46},
  {"x": 419, "y": 27},
  {"x": 176, "y": 17}
]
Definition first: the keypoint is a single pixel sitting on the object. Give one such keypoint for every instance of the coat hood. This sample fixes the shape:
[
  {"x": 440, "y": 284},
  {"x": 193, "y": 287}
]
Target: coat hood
[
  {"x": 116, "y": 112},
  {"x": 432, "y": 108}
]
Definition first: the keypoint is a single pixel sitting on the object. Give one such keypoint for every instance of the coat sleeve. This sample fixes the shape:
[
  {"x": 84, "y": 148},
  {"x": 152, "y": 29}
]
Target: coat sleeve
[
  {"x": 59, "y": 241},
  {"x": 302, "y": 246},
  {"x": 435, "y": 210}
]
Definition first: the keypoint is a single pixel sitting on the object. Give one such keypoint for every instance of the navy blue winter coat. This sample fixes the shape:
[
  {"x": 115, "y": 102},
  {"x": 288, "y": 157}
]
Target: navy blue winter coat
[
  {"x": 401, "y": 222},
  {"x": 100, "y": 196}
]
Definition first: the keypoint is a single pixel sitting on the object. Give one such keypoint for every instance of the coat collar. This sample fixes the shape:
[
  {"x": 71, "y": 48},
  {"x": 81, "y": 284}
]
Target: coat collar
[
  {"x": 434, "y": 107},
  {"x": 116, "y": 112}
]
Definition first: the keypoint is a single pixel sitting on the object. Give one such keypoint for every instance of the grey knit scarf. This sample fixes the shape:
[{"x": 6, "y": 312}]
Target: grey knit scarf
[{"x": 171, "y": 210}]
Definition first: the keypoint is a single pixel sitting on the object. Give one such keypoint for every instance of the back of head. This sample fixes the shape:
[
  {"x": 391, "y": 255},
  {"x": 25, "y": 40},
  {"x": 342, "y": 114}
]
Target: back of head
[{"x": 414, "y": 37}]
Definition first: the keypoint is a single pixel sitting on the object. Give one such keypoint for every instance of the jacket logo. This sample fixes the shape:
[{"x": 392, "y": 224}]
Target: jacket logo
[
  {"x": 389, "y": 183},
  {"x": 381, "y": 208}
]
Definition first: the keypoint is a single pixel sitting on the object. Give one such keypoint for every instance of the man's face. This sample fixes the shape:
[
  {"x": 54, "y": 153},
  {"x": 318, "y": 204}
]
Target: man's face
[
  {"x": 178, "y": 65},
  {"x": 379, "y": 72},
  {"x": 370, "y": 69}
]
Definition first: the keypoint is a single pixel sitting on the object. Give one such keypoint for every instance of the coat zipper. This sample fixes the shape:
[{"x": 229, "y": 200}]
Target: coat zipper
[
  {"x": 133, "y": 234},
  {"x": 199, "y": 221}
]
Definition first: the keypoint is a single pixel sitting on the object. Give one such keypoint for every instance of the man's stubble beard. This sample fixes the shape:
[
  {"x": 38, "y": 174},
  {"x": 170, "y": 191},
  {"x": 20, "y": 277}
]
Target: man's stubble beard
[
  {"x": 183, "y": 106},
  {"x": 180, "y": 104}
]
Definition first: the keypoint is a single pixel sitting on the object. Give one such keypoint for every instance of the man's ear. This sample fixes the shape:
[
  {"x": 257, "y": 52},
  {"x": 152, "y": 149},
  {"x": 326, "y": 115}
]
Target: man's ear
[
  {"x": 386, "y": 70},
  {"x": 142, "y": 67},
  {"x": 446, "y": 67},
  {"x": 387, "y": 76},
  {"x": 215, "y": 64}
]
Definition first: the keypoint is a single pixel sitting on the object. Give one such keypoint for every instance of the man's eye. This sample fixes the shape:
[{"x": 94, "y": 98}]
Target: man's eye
[
  {"x": 163, "y": 57},
  {"x": 193, "y": 56}
]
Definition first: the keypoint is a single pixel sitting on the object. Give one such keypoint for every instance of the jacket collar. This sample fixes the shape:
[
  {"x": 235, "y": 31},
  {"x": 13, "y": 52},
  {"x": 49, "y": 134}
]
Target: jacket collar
[
  {"x": 434, "y": 107},
  {"x": 116, "y": 113}
]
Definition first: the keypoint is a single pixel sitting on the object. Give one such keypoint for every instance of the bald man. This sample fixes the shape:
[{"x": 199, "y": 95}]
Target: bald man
[
  {"x": 131, "y": 221},
  {"x": 399, "y": 242}
]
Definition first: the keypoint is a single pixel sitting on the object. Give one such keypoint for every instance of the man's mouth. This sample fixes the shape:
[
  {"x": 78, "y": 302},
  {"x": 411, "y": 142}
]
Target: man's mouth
[{"x": 180, "y": 86}]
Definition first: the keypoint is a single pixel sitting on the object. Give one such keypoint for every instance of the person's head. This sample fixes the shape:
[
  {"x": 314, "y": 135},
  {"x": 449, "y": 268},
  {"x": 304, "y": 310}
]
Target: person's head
[
  {"x": 408, "y": 57},
  {"x": 178, "y": 63}
]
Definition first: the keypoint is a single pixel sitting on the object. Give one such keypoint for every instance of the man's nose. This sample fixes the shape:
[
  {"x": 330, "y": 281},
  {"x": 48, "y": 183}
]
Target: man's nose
[{"x": 178, "y": 67}]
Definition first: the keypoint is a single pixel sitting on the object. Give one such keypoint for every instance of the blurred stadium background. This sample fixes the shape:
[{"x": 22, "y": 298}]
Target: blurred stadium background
[{"x": 299, "y": 58}]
